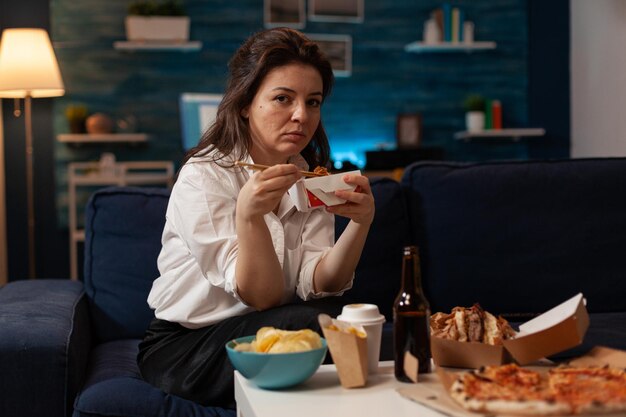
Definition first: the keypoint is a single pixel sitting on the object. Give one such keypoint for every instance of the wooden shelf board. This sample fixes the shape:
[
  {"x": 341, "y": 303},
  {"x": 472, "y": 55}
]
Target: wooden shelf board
[
  {"x": 501, "y": 133},
  {"x": 419, "y": 47},
  {"x": 158, "y": 46},
  {"x": 102, "y": 138}
]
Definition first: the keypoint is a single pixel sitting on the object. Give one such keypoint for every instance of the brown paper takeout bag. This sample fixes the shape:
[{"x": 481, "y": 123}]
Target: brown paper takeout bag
[{"x": 349, "y": 351}]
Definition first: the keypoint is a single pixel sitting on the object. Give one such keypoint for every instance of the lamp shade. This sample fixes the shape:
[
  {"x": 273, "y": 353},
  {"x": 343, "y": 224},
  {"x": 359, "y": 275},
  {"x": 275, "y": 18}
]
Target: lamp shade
[{"x": 28, "y": 66}]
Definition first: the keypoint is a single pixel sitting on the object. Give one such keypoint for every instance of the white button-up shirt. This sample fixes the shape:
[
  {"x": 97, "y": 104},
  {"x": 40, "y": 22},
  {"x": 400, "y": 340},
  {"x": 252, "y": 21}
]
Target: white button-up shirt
[{"x": 197, "y": 261}]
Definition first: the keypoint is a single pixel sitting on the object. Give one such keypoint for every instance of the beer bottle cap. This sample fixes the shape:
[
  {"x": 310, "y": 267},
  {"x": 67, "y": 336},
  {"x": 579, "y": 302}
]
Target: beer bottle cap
[{"x": 410, "y": 249}]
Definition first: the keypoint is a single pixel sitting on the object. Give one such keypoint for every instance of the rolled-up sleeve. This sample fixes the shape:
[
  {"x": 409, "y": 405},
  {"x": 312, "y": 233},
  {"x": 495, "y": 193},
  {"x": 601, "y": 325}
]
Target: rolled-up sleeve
[{"x": 318, "y": 237}]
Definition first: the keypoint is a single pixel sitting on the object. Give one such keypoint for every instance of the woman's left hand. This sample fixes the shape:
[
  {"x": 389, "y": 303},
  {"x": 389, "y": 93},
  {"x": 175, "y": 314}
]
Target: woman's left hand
[{"x": 359, "y": 205}]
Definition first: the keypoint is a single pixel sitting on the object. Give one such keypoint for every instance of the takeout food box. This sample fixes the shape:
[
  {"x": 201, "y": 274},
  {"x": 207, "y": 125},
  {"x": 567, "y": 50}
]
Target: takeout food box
[
  {"x": 310, "y": 193},
  {"x": 554, "y": 331},
  {"x": 348, "y": 350}
]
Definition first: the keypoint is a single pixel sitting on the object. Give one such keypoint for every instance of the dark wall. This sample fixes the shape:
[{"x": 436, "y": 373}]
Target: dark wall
[
  {"x": 547, "y": 95},
  {"x": 361, "y": 112},
  {"x": 549, "y": 77},
  {"x": 51, "y": 243}
]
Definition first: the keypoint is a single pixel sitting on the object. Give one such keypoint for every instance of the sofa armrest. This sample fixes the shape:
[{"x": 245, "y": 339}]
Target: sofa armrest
[{"x": 45, "y": 338}]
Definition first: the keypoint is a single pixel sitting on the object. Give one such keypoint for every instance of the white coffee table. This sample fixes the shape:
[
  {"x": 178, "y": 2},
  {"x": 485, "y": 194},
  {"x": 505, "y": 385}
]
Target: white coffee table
[{"x": 323, "y": 396}]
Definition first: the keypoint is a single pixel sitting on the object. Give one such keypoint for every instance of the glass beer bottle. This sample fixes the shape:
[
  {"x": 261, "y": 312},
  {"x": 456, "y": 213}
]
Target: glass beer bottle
[{"x": 411, "y": 317}]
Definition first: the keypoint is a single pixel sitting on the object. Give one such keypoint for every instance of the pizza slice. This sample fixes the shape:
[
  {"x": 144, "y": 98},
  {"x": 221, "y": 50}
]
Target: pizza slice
[
  {"x": 510, "y": 389},
  {"x": 507, "y": 389},
  {"x": 590, "y": 390}
]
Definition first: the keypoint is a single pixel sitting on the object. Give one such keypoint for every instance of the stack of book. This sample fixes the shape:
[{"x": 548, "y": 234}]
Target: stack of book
[
  {"x": 450, "y": 25},
  {"x": 493, "y": 114}
]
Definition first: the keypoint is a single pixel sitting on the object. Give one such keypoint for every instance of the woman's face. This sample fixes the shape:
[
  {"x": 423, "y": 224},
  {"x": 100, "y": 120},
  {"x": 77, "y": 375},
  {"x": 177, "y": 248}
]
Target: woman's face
[{"x": 284, "y": 113}]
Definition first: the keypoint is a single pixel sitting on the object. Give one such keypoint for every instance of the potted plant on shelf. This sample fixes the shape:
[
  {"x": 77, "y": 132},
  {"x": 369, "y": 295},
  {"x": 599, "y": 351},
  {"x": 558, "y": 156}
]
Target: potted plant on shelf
[
  {"x": 76, "y": 115},
  {"x": 475, "y": 113},
  {"x": 157, "y": 21}
]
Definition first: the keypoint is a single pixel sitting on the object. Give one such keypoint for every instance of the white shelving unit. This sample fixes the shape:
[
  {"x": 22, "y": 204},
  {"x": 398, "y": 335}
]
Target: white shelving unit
[
  {"x": 189, "y": 46},
  {"x": 515, "y": 134},
  {"x": 121, "y": 174},
  {"x": 442, "y": 47},
  {"x": 85, "y": 138}
]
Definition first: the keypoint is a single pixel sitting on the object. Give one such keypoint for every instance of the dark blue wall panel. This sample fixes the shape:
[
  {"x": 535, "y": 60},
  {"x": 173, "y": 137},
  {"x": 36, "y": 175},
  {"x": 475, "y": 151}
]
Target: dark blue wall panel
[
  {"x": 361, "y": 113},
  {"x": 549, "y": 77}
]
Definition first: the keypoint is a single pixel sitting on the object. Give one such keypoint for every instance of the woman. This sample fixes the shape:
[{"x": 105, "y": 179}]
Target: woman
[{"x": 236, "y": 254}]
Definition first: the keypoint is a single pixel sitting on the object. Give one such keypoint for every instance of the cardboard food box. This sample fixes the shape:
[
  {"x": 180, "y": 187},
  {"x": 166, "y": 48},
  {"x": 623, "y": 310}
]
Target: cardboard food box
[
  {"x": 554, "y": 331},
  {"x": 434, "y": 393},
  {"x": 348, "y": 350},
  {"x": 311, "y": 193}
]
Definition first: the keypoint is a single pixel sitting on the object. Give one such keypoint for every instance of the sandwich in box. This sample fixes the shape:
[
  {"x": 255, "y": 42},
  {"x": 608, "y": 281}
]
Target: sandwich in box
[{"x": 554, "y": 331}]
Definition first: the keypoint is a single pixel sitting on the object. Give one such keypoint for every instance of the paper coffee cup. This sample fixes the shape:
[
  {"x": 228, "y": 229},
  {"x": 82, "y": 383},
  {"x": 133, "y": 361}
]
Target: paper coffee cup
[{"x": 368, "y": 316}]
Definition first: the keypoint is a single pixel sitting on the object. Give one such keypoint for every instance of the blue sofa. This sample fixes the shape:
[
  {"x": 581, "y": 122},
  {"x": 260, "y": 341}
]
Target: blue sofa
[{"x": 518, "y": 237}]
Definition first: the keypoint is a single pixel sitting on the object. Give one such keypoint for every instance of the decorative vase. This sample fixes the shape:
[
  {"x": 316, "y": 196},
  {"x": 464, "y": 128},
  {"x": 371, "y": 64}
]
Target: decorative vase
[
  {"x": 475, "y": 121},
  {"x": 157, "y": 28},
  {"x": 99, "y": 123}
]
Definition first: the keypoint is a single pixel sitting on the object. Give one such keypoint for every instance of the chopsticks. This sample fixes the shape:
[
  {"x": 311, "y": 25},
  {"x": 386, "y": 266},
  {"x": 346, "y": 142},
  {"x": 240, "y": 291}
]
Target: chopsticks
[{"x": 260, "y": 167}]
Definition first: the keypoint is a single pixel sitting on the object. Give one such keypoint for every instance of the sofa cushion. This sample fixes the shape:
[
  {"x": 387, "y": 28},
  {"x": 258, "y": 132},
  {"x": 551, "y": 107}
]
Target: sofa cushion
[
  {"x": 44, "y": 331},
  {"x": 123, "y": 230},
  {"x": 377, "y": 277},
  {"x": 113, "y": 374},
  {"x": 521, "y": 237}
]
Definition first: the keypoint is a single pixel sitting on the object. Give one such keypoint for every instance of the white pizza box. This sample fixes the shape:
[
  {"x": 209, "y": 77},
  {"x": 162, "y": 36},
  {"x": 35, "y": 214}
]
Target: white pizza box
[
  {"x": 554, "y": 331},
  {"x": 311, "y": 193}
]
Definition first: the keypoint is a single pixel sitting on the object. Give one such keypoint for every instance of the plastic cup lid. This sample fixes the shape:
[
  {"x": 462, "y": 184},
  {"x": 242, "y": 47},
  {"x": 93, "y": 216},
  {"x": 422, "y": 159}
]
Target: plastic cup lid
[{"x": 361, "y": 313}]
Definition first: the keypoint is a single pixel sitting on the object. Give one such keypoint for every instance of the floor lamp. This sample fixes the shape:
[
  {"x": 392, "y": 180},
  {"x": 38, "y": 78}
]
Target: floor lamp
[{"x": 29, "y": 69}]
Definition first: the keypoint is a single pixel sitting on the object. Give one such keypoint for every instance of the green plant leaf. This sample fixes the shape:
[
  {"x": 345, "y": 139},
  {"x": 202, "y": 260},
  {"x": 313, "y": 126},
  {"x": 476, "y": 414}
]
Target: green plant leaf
[
  {"x": 474, "y": 102},
  {"x": 155, "y": 8}
]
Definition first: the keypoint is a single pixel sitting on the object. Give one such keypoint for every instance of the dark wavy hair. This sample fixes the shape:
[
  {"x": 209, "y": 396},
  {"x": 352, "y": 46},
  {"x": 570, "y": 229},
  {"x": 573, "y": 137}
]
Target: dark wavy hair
[{"x": 254, "y": 59}]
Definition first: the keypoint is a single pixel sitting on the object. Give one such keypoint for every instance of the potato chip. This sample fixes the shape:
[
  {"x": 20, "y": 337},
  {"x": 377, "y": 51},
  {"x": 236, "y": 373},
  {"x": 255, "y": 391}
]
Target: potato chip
[{"x": 272, "y": 340}]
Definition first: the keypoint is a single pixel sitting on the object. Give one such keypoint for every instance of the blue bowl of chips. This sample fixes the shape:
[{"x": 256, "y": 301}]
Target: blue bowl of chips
[{"x": 275, "y": 370}]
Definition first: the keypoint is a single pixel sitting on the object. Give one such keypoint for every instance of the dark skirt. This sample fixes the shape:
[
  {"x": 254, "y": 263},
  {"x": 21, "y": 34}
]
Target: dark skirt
[{"x": 193, "y": 364}]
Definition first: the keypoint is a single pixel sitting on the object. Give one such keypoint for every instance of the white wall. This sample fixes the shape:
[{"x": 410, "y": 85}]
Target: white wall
[{"x": 598, "y": 77}]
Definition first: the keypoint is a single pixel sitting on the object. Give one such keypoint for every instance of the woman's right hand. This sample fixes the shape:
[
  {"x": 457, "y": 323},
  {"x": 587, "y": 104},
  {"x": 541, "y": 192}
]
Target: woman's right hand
[
  {"x": 264, "y": 190},
  {"x": 259, "y": 274}
]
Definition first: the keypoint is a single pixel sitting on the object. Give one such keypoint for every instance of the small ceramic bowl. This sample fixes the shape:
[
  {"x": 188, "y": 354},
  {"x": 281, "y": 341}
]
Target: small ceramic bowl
[{"x": 275, "y": 370}]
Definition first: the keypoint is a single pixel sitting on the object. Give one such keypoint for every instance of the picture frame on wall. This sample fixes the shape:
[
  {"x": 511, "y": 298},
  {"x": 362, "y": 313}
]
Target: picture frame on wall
[
  {"x": 285, "y": 13},
  {"x": 338, "y": 49},
  {"x": 408, "y": 130},
  {"x": 351, "y": 11}
]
